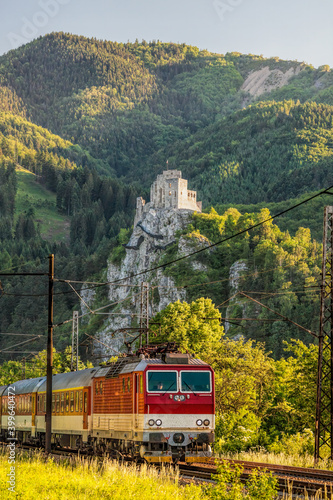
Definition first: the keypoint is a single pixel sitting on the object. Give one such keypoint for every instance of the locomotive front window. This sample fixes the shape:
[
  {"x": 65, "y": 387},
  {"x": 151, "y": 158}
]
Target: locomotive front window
[
  {"x": 195, "y": 381},
  {"x": 162, "y": 381}
]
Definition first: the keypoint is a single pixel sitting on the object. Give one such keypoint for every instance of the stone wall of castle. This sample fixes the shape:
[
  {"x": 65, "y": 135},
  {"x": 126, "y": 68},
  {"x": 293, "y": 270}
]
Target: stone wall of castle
[{"x": 170, "y": 191}]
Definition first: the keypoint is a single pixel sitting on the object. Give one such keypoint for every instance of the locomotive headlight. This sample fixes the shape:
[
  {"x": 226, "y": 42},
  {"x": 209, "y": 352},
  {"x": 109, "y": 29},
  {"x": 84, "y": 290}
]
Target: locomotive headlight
[
  {"x": 199, "y": 422},
  {"x": 206, "y": 422},
  {"x": 151, "y": 422},
  {"x": 178, "y": 397},
  {"x": 158, "y": 422}
]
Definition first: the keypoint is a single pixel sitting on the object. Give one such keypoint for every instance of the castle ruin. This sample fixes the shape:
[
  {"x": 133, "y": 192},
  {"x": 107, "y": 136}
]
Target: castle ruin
[{"x": 169, "y": 191}]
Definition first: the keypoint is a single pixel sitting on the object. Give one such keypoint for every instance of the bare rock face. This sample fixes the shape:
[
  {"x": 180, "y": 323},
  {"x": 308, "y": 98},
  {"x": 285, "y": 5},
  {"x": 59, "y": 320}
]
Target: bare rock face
[
  {"x": 190, "y": 243},
  {"x": 152, "y": 234},
  {"x": 236, "y": 270},
  {"x": 265, "y": 80}
]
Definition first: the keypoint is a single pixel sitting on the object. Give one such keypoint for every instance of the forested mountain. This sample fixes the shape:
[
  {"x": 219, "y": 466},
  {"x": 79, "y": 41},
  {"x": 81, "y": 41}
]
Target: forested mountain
[
  {"x": 266, "y": 152},
  {"x": 135, "y": 105},
  {"x": 95, "y": 121}
]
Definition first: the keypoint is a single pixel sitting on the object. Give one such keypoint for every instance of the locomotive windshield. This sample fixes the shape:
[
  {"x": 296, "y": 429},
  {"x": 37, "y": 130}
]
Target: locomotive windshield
[
  {"x": 195, "y": 381},
  {"x": 162, "y": 381}
]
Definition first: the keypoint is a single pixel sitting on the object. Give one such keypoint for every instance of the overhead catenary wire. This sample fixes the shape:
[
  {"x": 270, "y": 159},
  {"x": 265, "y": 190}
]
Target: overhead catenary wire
[
  {"x": 96, "y": 310},
  {"x": 162, "y": 266},
  {"x": 105, "y": 283},
  {"x": 268, "y": 295},
  {"x": 20, "y": 334},
  {"x": 22, "y": 264},
  {"x": 20, "y": 343},
  {"x": 278, "y": 314},
  {"x": 212, "y": 245},
  {"x": 205, "y": 283}
]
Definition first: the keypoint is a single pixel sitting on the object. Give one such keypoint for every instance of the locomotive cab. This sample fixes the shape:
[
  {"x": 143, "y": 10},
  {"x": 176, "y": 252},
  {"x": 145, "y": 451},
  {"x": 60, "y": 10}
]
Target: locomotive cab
[{"x": 179, "y": 416}]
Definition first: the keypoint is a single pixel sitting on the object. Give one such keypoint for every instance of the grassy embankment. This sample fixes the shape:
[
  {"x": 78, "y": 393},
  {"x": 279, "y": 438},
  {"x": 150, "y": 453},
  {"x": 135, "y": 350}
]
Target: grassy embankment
[
  {"x": 80, "y": 479},
  {"x": 31, "y": 194}
]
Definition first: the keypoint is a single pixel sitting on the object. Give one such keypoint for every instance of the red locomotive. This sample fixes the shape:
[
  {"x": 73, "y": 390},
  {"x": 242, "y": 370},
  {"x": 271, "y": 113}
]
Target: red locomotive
[{"x": 158, "y": 407}]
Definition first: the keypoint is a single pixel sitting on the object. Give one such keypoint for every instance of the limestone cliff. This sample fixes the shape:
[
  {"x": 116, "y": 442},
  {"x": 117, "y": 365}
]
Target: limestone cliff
[
  {"x": 152, "y": 234},
  {"x": 235, "y": 274},
  {"x": 265, "y": 80}
]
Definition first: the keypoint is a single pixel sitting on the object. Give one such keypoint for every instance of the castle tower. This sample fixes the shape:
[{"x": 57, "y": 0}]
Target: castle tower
[{"x": 170, "y": 191}]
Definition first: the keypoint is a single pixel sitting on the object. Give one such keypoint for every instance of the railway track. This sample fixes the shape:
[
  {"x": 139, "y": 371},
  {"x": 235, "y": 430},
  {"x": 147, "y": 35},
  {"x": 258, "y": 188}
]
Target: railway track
[{"x": 293, "y": 480}]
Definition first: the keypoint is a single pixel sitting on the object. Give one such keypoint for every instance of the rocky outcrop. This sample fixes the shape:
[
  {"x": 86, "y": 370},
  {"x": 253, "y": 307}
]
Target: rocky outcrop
[
  {"x": 265, "y": 80},
  {"x": 236, "y": 270},
  {"x": 88, "y": 296},
  {"x": 142, "y": 253},
  {"x": 190, "y": 243}
]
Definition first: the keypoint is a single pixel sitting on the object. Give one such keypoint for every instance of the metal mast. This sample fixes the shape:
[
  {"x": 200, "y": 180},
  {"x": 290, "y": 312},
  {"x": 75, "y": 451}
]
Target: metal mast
[
  {"x": 49, "y": 360},
  {"x": 144, "y": 311},
  {"x": 75, "y": 342},
  {"x": 324, "y": 408}
]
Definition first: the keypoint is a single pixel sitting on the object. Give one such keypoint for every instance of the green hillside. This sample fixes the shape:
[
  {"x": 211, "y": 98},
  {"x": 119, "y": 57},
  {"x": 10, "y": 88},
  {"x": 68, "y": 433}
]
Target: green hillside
[
  {"x": 31, "y": 195},
  {"x": 266, "y": 152},
  {"x": 135, "y": 105},
  {"x": 309, "y": 85}
]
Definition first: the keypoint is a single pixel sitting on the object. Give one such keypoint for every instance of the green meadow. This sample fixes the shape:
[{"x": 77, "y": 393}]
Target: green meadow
[{"x": 33, "y": 195}]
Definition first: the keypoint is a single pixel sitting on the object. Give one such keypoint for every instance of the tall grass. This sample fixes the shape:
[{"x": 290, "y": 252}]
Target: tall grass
[{"x": 81, "y": 479}]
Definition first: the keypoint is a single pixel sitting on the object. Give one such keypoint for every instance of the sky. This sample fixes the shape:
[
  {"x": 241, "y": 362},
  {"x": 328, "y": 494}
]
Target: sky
[{"x": 290, "y": 29}]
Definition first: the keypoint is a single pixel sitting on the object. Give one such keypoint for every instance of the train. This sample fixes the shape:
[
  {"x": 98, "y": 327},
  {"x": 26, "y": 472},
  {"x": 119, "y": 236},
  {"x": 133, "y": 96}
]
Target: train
[{"x": 156, "y": 405}]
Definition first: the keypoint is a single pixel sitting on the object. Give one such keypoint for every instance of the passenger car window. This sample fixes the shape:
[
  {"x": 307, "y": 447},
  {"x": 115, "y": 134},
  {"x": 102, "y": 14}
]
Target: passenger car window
[{"x": 72, "y": 400}]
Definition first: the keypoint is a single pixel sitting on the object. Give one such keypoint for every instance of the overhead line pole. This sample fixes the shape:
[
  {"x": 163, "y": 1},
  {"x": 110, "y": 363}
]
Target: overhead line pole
[
  {"x": 324, "y": 403},
  {"x": 278, "y": 314},
  {"x": 49, "y": 367},
  {"x": 144, "y": 311},
  {"x": 75, "y": 342}
]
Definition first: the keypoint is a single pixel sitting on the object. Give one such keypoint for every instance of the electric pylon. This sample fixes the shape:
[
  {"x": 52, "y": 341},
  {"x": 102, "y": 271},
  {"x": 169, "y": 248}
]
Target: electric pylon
[
  {"x": 144, "y": 311},
  {"x": 324, "y": 407},
  {"x": 75, "y": 342}
]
